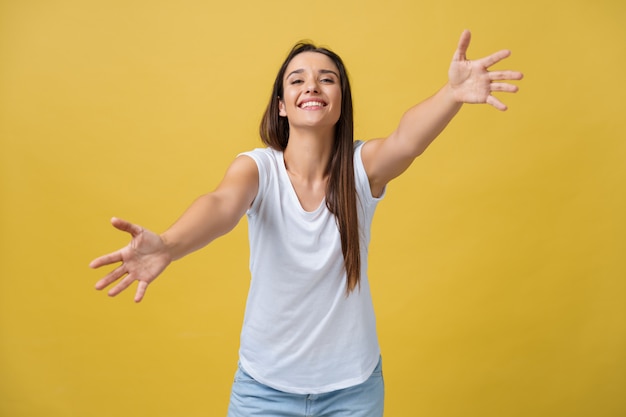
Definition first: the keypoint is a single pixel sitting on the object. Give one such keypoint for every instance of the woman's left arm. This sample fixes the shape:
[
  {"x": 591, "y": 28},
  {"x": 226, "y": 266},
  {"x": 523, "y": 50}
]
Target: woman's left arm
[{"x": 468, "y": 82}]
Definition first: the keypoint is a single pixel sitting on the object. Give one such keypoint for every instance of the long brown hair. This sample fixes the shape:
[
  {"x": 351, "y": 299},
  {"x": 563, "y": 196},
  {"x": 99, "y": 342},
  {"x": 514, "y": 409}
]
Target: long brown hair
[{"x": 340, "y": 191}]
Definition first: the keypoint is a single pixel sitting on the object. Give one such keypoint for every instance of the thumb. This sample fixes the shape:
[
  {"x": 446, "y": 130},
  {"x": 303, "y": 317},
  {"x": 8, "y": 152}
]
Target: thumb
[
  {"x": 126, "y": 226},
  {"x": 461, "y": 49}
]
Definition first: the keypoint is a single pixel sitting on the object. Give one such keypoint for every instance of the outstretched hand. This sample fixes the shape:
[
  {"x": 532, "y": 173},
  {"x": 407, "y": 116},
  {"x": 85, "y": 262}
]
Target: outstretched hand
[
  {"x": 472, "y": 82},
  {"x": 142, "y": 260}
]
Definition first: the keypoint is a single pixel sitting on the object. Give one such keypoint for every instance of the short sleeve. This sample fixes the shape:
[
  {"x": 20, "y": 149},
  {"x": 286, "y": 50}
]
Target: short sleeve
[{"x": 362, "y": 181}]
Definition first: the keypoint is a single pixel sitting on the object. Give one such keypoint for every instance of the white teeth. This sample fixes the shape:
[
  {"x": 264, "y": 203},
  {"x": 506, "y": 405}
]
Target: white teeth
[{"x": 312, "y": 104}]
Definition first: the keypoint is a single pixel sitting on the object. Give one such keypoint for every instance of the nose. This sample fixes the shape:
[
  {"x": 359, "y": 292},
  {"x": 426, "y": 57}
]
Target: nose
[{"x": 312, "y": 86}]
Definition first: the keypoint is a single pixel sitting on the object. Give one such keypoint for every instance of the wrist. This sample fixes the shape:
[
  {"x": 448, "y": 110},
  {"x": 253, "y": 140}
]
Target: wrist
[
  {"x": 169, "y": 247},
  {"x": 451, "y": 97},
  {"x": 451, "y": 94}
]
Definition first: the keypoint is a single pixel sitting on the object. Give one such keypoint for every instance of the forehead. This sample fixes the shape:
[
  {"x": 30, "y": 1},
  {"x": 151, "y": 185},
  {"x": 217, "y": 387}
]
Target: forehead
[{"x": 312, "y": 61}]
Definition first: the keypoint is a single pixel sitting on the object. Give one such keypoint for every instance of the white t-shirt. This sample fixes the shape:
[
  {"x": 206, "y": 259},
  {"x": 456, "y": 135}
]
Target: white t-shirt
[{"x": 301, "y": 333}]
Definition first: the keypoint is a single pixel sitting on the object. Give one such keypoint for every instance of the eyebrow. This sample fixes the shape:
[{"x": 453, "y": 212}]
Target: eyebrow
[{"x": 322, "y": 71}]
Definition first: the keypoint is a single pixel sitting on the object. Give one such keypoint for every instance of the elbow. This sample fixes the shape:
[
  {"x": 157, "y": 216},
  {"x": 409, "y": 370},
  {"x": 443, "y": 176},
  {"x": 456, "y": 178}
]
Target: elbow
[
  {"x": 409, "y": 144},
  {"x": 417, "y": 151},
  {"x": 411, "y": 148}
]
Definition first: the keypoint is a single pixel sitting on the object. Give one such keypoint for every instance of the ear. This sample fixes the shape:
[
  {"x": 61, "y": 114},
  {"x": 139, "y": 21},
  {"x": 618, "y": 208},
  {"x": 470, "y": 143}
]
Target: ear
[{"x": 281, "y": 108}]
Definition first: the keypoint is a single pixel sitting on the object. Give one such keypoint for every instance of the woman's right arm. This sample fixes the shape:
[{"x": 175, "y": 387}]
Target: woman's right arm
[{"x": 209, "y": 216}]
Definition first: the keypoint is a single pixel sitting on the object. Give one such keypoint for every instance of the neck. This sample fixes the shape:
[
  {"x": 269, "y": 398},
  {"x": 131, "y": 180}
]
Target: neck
[{"x": 307, "y": 154}]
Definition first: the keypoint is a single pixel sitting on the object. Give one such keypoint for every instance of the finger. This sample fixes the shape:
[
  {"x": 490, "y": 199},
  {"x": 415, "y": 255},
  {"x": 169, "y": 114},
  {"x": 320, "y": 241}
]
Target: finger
[
  {"x": 461, "y": 49},
  {"x": 496, "y": 103},
  {"x": 504, "y": 87},
  {"x": 108, "y": 259},
  {"x": 121, "y": 286},
  {"x": 494, "y": 58},
  {"x": 141, "y": 291},
  {"x": 126, "y": 226},
  {"x": 505, "y": 75},
  {"x": 111, "y": 277}
]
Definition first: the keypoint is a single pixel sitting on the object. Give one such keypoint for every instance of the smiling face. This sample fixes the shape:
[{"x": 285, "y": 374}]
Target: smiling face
[{"x": 311, "y": 91}]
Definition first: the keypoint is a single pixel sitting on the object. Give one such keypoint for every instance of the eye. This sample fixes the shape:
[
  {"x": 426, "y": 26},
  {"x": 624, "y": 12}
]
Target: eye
[
  {"x": 295, "y": 81},
  {"x": 327, "y": 80}
]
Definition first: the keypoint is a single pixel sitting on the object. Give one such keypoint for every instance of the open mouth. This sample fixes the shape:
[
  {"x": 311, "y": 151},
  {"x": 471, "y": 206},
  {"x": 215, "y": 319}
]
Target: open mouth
[{"x": 311, "y": 104}]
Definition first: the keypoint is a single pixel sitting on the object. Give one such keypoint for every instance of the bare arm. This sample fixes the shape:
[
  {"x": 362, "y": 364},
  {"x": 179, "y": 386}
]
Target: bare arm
[
  {"x": 210, "y": 216},
  {"x": 215, "y": 214},
  {"x": 468, "y": 82}
]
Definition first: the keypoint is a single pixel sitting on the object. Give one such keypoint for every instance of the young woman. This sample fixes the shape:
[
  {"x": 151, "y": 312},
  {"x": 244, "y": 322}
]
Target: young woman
[{"x": 308, "y": 345}]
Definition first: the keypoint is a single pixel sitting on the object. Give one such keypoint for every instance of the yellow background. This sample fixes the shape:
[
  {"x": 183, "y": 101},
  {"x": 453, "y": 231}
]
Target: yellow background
[{"x": 497, "y": 260}]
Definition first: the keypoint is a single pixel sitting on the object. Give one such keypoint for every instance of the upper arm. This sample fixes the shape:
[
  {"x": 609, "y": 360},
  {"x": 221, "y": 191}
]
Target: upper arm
[
  {"x": 216, "y": 213},
  {"x": 238, "y": 188},
  {"x": 384, "y": 159}
]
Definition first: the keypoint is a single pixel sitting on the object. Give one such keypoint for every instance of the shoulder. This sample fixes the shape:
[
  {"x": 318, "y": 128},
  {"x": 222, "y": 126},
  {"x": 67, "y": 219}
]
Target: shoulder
[
  {"x": 262, "y": 153},
  {"x": 363, "y": 152},
  {"x": 266, "y": 159},
  {"x": 243, "y": 169},
  {"x": 370, "y": 157}
]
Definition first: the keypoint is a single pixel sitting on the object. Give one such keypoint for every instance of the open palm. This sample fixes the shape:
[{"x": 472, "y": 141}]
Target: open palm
[
  {"x": 472, "y": 82},
  {"x": 142, "y": 260}
]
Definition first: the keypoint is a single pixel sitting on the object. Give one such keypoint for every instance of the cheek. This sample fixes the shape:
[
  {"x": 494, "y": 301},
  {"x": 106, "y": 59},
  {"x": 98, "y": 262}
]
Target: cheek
[
  {"x": 337, "y": 103},
  {"x": 336, "y": 97}
]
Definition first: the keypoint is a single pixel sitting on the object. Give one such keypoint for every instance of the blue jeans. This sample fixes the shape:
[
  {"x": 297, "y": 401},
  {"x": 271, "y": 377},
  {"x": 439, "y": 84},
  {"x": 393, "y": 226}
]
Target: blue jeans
[{"x": 250, "y": 398}]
